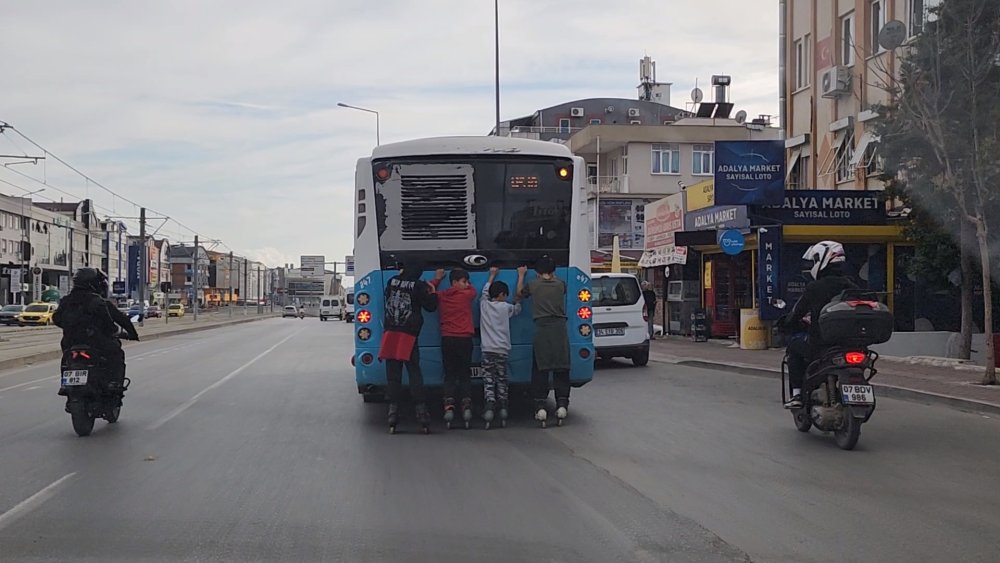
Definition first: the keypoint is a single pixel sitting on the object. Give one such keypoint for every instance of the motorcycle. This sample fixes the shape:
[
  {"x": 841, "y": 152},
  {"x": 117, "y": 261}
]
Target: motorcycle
[
  {"x": 89, "y": 392},
  {"x": 837, "y": 395}
]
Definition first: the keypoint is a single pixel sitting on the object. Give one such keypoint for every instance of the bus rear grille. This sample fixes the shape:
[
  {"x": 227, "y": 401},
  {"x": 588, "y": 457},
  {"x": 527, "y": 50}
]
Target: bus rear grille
[{"x": 435, "y": 207}]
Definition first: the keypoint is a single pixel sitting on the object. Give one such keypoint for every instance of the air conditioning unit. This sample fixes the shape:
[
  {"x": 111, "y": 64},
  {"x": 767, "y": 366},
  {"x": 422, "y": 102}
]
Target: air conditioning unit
[
  {"x": 633, "y": 112},
  {"x": 576, "y": 112},
  {"x": 835, "y": 82}
]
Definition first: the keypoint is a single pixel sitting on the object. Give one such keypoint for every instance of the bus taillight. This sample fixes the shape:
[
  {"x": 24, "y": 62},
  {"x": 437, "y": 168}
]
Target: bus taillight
[
  {"x": 364, "y": 316},
  {"x": 382, "y": 173},
  {"x": 584, "y": 313}
]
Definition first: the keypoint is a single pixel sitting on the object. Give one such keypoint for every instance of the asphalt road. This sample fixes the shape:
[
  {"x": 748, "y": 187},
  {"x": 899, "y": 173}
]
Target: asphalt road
[{"x": 250, "y": 443}]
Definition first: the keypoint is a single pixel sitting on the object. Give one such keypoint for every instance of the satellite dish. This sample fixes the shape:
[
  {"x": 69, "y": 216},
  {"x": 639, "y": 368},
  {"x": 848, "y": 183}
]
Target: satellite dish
[
  {"x": 697, "y": 95},
  {"x": 741, "y": 117},
  {"x": 892, "y": 35}
]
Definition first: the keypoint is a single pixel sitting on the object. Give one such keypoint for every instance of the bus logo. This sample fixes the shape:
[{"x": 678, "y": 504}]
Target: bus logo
[{"x": 476, "y": 260}]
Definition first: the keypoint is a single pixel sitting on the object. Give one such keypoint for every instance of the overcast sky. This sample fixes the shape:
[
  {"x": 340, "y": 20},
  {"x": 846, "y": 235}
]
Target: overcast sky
[{"x": 223, "y": 113}]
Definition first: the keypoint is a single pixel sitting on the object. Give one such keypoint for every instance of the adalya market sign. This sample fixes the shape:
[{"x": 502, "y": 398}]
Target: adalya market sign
[{"x": 829, "y": 207}]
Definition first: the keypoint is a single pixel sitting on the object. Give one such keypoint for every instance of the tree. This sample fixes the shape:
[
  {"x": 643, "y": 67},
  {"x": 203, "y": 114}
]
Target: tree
[{"x": 941, "y": 134}]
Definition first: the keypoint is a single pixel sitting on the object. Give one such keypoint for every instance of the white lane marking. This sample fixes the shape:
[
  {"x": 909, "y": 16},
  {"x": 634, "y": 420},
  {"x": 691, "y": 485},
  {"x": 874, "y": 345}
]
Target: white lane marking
[
  {"x": 26, "y": 383},
  {"x": 187, "y": 404},
  {"x": 32, "y": 502},
  {"x": 34, "y": 387}
]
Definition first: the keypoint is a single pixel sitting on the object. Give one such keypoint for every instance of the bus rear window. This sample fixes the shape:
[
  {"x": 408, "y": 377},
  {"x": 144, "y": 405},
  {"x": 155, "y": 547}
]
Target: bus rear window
[{"x": 485, "y": 204}]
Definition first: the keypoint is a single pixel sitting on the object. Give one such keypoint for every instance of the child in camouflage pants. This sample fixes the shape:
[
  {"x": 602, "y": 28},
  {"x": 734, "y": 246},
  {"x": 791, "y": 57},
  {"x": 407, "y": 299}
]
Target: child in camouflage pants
[{"x": 495, "y": 313}]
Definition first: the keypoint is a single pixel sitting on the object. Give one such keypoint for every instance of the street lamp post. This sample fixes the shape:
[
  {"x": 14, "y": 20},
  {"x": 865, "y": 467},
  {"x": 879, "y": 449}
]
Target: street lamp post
[
  {"x": 378, "y": 139},
  {"x": 26, "y": 226}
]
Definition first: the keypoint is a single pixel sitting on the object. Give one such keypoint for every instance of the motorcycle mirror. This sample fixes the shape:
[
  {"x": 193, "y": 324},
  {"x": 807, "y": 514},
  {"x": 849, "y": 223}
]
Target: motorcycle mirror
[
  {"x": 134, "y": 318},
  {"x": 778, "y": 303}
]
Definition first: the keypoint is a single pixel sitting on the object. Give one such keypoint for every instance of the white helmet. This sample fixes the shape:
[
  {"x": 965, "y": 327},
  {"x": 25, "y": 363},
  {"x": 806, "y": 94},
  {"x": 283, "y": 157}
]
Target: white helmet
[{"x": 822, "y": 254}]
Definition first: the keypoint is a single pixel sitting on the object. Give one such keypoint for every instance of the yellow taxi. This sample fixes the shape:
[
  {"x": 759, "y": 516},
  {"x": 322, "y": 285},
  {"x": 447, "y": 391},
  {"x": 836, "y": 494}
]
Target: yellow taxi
[
  {"x": 175, "y": 310},
  {"x": 39, "y": 314}
]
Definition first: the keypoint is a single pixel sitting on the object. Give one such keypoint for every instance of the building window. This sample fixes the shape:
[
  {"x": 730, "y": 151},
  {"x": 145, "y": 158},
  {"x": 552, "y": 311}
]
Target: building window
[
  {"x": 564, "y": 125},
  {"x": 595, "y": 121},
  {"x": 701, "y": 160},
  {"x": 919, "y": 13},
  {"x": 798, "y": 172},
  {"x": 803, "y": 66},
  {"x": 666, "y": 159},
  {"x": 847, "y": 40},
  {"x": 844, "y": 155},
  {"x": 877, "y": 20}
]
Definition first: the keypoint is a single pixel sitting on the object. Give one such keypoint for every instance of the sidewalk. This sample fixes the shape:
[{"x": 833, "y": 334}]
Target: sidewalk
[
  {"x": 897, "y": 377},
  {"x": 29, "y": 345}
]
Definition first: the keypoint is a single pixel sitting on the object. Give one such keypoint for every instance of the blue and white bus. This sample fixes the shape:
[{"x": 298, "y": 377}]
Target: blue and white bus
[{"x": 473, "y": 203}]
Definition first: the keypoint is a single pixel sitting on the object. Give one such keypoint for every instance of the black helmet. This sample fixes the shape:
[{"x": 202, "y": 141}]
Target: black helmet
[{"x": 92, "y": 280}]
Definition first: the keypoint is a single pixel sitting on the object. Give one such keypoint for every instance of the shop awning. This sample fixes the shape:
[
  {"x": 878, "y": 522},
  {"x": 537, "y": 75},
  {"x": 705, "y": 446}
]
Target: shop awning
[{"x": 867, "y": 138}]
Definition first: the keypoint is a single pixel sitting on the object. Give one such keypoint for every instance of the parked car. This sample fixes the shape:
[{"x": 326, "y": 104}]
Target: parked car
[
  {"x": 153, "y": 312},
  {"x": 175, "y": 310},
  {"x": 39, "y": 314},
  {"x": 620, "y": 323},
  {"x": 9, "y": 313}
]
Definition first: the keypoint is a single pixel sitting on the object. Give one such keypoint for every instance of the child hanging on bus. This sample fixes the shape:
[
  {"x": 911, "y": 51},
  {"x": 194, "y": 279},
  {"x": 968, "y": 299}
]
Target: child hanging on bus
[
  {"x": 495, "y": 313},
  {"x": 551, "y": 343},
  {"x": 457, "y": 332},
  {"x": 406, "y": 295}
]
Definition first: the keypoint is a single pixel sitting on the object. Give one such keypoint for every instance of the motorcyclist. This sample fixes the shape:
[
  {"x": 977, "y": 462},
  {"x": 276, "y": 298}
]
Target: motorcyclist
[
  {"x": 826, "y": 262},
  {"x": 88, "y": 318}
]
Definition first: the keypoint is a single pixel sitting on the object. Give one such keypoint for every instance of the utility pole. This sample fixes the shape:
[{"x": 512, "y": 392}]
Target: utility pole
[
  {"x": 260, "y": 291},
  {"x": 142, "y": 265},
  {"x": 230, "y": 276},
  {"x": 246, "y": 284},
  {"x": 194, "y": 278}
]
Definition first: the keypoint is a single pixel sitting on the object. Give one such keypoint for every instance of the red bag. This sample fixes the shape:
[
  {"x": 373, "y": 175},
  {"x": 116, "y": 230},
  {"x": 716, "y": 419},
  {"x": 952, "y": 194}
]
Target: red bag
[{"x": 396, "y": 346}]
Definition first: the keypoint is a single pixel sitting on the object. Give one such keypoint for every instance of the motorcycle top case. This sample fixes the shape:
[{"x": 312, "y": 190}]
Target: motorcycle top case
[{"x": 852, "y": 320}]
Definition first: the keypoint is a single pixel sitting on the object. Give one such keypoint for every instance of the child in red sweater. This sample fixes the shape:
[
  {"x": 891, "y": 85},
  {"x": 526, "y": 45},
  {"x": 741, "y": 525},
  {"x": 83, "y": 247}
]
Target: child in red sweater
[{"x": 457, "y": 331}]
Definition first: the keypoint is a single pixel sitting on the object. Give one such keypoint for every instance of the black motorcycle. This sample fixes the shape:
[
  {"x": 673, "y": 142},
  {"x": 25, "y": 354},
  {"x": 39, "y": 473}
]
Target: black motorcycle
[
  {"x": 90, "y": 393},
  {"x": 836, "y": 394}
]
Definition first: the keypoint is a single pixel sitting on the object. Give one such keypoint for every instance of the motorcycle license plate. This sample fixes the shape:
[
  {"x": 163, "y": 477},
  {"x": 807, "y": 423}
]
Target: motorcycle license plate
[
  {"x": 476, "y": 371},
  {"x": 858, "y": 394},
  {"x": 74, "y": 377}
]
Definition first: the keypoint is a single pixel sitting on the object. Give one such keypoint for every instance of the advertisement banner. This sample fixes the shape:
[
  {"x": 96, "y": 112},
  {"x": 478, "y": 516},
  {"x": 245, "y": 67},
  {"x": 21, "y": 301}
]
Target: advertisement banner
[
  {"x": 768, "y": 271},
  {"x": 664, "y": 256},
  {"x": 134, "y": 268},
  {"x": 828, "y": 207},
  {"x": 118, "y": 288},
  {"x": 615, "y": 219},
  {"x": 717, "y": 218},
  {"x": 749, "y": 172},
  {"x": 700, "y": 195},
  {"x": 663, "y": 218},
  {"x": 153, "y": 277},
  {"x": 15, "y": 280}
]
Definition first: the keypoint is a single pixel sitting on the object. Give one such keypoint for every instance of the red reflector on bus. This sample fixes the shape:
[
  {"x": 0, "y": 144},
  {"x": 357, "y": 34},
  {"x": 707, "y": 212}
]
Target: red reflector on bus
[
  {"x": 367, "y": 358},
  {"x": 584, "y": 313},
  {"x": 364, "y": 316},
  {"x": 584, "y": 353},
  {"x": 855, "y": 358}
]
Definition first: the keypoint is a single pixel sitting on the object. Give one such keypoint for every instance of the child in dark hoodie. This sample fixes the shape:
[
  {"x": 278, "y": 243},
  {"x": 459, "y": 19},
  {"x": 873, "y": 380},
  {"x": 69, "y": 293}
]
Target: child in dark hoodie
[{"x": 406, "y": 297}]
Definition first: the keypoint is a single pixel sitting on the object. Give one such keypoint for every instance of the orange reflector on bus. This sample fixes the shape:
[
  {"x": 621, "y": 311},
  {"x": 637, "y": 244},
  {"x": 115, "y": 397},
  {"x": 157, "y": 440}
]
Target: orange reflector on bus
[{"x": 584, "y": 295}]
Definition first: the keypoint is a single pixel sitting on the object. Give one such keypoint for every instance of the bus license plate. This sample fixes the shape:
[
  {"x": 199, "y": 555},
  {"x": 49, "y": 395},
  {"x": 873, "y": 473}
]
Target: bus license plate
[
  {"x": 611, "y": 332},
  {"x": 74, "y": 377},
  {"x": 476, "y": 371},
  {"x": 858, "y": 394}
]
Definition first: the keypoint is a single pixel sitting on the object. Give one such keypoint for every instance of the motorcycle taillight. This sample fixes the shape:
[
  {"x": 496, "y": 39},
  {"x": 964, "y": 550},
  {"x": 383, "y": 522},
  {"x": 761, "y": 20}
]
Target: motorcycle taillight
[{"x": 855, "y": 358}]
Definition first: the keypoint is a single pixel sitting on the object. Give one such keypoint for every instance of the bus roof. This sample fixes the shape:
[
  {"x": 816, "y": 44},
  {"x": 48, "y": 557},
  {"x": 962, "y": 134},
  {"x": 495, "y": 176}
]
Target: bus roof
[{"x": 471, "y": 145}]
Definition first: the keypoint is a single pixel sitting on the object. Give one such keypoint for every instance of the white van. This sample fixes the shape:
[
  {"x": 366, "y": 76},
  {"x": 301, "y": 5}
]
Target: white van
[
  {"x": 349, "y": 306},
  {"x": 331, "y": 306},
  {"x": 620, "y": 324}
]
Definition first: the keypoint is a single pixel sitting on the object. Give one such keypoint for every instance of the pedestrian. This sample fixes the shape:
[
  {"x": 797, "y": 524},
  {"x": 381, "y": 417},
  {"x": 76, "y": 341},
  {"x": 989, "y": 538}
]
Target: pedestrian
[
  {"x": 406, "y": 297},
  {"x": 551, "y": 343},
  {"x": 495, "y": 313},
  {"x": 649, "y": 299},
  {"x": 457, "y": 331}
]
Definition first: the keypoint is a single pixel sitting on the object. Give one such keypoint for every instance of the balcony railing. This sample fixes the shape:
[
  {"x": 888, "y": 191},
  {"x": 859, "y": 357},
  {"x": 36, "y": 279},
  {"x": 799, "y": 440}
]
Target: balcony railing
[{"x": 608, "y": 184}]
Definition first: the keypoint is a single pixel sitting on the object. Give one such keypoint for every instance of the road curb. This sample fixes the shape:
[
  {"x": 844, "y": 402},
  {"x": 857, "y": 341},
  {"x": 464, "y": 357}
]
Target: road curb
[
  {"x": 888, "y": 391},
  {"x": 32, "y": 359}
]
